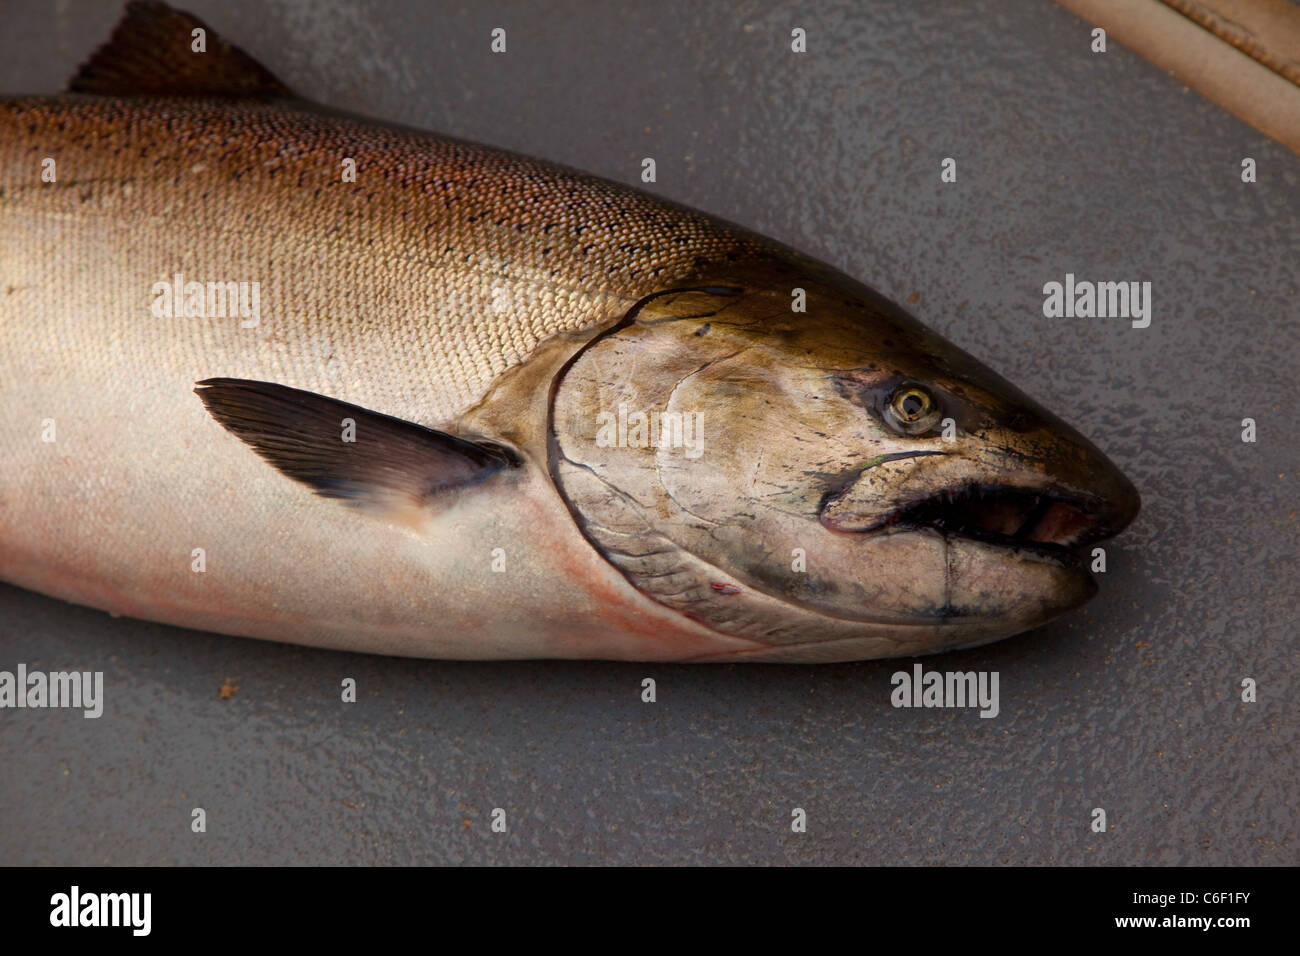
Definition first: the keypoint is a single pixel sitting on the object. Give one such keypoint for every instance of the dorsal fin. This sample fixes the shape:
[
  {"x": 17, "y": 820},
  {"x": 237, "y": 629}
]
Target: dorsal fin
[{"x": 151, "y": 54}]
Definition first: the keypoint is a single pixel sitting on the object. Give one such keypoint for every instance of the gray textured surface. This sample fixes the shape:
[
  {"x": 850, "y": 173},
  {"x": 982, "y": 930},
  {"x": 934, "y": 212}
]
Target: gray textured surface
[{"x": 1099, "y": 165}]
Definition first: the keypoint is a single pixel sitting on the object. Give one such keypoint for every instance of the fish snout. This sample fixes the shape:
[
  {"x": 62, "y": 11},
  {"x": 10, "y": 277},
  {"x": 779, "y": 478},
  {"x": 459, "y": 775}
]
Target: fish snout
[
  {"x": 1095, "y": 499},
  {"x": 1118, "y": 498}
]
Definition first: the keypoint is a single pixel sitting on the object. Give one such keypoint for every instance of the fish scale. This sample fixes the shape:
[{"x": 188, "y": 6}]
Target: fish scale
[{"x": 476, "y": 254}]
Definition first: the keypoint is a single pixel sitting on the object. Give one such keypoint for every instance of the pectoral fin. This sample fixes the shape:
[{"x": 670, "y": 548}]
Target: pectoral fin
[{"x": 350, "y": 453}]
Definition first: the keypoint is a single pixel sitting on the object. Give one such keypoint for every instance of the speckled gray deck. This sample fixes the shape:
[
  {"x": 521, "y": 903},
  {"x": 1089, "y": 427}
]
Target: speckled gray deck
[{"x": 1067, "y": 162}]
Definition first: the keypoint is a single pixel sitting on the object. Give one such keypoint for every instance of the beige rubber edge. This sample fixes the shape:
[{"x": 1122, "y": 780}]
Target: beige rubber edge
[
  {"x": 1209, "y": 65},
  {"x": 1265, "y": 30}
]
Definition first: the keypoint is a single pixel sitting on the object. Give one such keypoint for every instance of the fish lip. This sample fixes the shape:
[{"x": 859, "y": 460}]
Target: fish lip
[{"x": 1104, "y": 518}]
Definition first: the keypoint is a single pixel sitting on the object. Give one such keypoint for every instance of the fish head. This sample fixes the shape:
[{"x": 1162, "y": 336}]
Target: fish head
[{"x": 839, "y": 481}]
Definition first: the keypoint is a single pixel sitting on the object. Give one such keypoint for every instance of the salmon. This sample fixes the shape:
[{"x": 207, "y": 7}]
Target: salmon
[{"x": 274, "y": 371}]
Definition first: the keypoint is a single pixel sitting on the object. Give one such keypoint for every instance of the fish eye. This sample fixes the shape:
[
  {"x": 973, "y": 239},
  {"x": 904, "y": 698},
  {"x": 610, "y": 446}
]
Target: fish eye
[{"x": 912, "y": 410}]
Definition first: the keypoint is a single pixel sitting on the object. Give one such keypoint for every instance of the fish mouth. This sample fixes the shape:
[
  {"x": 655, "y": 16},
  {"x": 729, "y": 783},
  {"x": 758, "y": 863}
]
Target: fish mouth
[{"x": 1051, "y": 524}]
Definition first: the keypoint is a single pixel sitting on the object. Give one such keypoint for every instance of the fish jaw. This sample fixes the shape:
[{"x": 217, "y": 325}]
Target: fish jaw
[{"x": 1020, "y": 530}]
